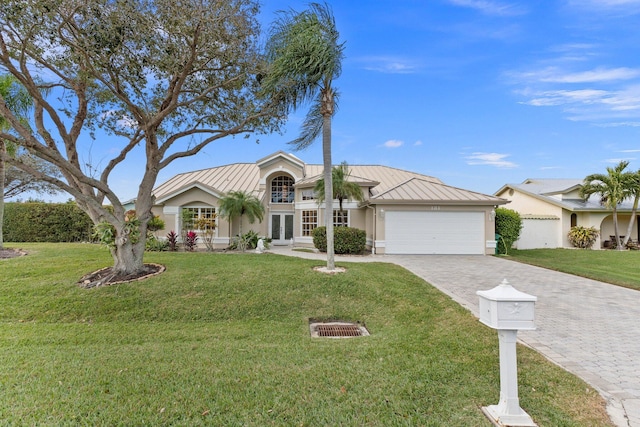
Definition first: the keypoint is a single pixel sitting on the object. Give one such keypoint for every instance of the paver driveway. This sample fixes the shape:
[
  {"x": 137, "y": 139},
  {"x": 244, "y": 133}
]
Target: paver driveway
[{"x": 590, "y": 328}]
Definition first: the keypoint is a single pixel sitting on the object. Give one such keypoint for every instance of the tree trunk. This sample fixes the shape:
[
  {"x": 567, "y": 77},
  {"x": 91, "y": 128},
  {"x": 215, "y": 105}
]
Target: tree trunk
[
  {"x": 632, "y": 220},
  {"x": 327, "y": 101},
  {"x": 128, "y": 258},
  {"x": 3, "y": 151},
  {"x": 615, "y": 228}
]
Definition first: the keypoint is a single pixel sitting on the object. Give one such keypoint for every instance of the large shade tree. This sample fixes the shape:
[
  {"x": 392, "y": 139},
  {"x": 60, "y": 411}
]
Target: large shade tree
[
  {"x": 612, "y": 188},
  {"x": 305, "y": 55},
  {"x": 18, "y": 101},
  {"x": 343, "y": 187},
  {"x": 18, "y": 182},
  {"x": 161, "y": 79}
]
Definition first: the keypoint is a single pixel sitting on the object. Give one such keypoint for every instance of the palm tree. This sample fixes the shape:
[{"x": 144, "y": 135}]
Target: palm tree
[
  {"x": 19, "y": 102},
  {"x": 239, "y": 203},
  {"x": 612, "y": 188},
  {"x": 304, "y": 57},
  {"x": 343, "y": 189},
  {"x": 633, "y": 184}
]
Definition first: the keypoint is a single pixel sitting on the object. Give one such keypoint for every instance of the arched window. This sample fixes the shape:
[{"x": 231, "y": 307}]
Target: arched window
[
  {"x": 574, "y": 220},
  {"x": 282, "y": 189}
]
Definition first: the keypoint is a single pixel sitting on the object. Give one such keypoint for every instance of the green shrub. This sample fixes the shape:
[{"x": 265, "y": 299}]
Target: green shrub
[
  {"x": 46, "y": 222},
  {"x": 249, "y": 240},
  {"x": 346, "y": 240},
  {"x": 153, "y": 244},
  {"x": 508, "y": 226},
  {"x": 155, "y": 224},
  {"x": 583, "y": 237}
]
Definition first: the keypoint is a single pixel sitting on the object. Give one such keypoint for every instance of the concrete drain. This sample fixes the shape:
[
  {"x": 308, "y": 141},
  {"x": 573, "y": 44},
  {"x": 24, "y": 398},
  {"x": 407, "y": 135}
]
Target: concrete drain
[{"x": 337, "y": 330}]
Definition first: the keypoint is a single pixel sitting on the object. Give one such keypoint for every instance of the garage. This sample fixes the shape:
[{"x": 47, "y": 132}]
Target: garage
[{"x": 438, "y": 232}]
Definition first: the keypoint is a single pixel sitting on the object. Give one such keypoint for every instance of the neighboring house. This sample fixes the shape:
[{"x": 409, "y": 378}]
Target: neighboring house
[
  {"x": 550, "y": 207},
  {"x": 403, "y": 212}
]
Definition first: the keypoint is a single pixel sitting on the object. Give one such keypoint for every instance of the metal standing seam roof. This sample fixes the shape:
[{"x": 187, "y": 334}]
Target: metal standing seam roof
[
  {"x": 419, "y": 190},
  {"x": 387, "y": 183}
]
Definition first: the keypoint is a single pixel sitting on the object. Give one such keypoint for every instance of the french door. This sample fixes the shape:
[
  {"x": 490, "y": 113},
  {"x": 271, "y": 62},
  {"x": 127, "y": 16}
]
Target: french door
[{"x": 281, "y": 228}]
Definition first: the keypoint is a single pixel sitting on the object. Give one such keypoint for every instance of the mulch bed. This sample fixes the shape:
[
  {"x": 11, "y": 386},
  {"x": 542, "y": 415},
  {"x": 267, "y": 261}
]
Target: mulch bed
[
  {"x": 105, "y": 276},
  {"x": 11, "y": 253}
]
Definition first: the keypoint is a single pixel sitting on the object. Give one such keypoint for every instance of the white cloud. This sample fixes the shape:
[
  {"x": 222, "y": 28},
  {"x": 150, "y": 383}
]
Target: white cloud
[
  {"x": 619, "y": 124},
  {"x": 490, "y": 159},
  {"x": 629, "y": 151},
  {"x": 393, "y": 143},
  {"x": 558, "y": 75},
  {"x": 417, "y": 143},
  {"x": 616, "y": 161},
  {"x": 389, "y": 64},
  {"x": 599, "y": 74},
  {"x": 491, "y": 7},
  {"x": 606, "y": 3}
]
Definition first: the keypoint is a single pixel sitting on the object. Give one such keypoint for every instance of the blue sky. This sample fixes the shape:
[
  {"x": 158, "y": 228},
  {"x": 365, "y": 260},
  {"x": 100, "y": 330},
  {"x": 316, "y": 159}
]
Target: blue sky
[{"x": 478, "y": 93}]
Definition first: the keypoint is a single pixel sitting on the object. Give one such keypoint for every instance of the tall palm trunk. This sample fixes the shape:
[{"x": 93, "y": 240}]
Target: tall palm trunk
[
  {"x": 327, "y": 112},
  {"x": 3, "y": 151},
  {"x": 615, "y": 228},
  {"x": 632, "y": 220}
]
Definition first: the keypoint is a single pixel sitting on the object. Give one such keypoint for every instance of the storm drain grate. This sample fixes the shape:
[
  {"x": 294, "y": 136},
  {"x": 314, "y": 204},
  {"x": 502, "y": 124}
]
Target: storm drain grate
[{"x": 337, "y": 330}]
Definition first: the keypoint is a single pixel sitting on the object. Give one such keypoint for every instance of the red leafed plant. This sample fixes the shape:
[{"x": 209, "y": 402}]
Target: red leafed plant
[{"x": 190, "y": 241}]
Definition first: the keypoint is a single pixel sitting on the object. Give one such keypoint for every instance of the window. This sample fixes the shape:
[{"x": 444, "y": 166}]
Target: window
[
  {"x": 340, "y": 219},
  {"x": 309, "y": 222},
  {"x": 199, "y": 218},
  {"x": 282, "y": 190},
  {"x": 574, "y": 220},
  {"x": 308, "y": 195}
]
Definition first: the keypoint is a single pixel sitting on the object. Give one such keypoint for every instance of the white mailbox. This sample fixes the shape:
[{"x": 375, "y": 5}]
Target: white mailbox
[{"x": 504, "y": 307}]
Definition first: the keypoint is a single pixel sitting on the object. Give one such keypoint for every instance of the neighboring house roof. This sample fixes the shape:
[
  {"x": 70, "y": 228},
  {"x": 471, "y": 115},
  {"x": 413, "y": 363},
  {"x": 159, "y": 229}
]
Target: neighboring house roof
[
  {"x": 558, "y": 192},
  {"x": 386, "y": 184}
]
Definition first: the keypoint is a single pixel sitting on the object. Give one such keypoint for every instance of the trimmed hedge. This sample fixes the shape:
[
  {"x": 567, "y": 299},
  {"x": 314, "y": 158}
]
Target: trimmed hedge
[
  {"x": 508, "y": 226},
  {"x": 346, "y": 240},
  {"x": 46, "y": 222}
]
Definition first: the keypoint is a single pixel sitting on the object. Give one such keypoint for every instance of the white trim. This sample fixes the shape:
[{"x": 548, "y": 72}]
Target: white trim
[
  {"x": 306, "y": 205},
  {"x": 305, "y": 239},
  {"x": 280, "y": 171}
]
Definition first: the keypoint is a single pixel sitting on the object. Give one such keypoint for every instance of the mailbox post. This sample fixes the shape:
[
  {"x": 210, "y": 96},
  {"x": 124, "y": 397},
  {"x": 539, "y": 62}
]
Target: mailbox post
[{"x": 508, "y": 310}]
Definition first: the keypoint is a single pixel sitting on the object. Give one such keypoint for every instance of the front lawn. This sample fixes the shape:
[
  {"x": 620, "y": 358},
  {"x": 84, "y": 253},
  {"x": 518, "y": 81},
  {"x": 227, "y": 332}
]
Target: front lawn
[
  {"x": 222, "y": 339},
  {"x": 616, "y": 267}
]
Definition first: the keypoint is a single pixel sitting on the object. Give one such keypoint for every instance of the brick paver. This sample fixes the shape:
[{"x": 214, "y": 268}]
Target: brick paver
[{"x": 590, "y": 328}]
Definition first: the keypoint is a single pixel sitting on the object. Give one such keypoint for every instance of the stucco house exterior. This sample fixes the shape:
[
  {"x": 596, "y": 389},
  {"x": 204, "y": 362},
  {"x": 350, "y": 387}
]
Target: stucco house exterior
[
  {"x": 402, "y": 213},
  {"x": 550, "y": 207}
]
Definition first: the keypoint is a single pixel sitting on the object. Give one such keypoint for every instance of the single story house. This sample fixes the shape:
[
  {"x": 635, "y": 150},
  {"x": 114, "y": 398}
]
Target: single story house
[
  {"x": 550, "y": 207},
  {"x": 402, "y": 213}
]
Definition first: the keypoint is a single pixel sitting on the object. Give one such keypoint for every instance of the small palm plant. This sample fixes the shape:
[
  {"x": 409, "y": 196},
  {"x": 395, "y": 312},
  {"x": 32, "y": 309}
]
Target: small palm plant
[
  {"x": 240, "y": 203},
  {"x": 343, "y": 188}
]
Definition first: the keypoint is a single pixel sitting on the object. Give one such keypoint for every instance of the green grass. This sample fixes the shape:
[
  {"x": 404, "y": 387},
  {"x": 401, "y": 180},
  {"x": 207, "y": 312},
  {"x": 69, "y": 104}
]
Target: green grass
[
  {"x": 222, "y": 339},
  {"x": 615, "y": 267}
]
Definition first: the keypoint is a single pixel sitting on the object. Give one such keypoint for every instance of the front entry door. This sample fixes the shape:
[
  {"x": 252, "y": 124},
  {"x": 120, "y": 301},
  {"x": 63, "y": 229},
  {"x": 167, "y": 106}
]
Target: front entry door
[{"x": 281, "y": 229}]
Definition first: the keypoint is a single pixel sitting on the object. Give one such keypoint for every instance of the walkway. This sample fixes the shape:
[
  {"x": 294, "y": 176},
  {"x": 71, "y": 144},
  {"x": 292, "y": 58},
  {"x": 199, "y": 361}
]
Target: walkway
[{"x": 589, "y": 328}]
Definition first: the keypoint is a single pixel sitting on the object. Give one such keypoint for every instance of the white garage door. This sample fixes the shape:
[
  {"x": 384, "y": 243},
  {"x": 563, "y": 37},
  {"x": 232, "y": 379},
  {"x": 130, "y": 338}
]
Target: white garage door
[{"x": 434, "y": 232}]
